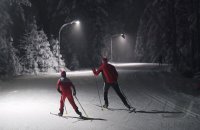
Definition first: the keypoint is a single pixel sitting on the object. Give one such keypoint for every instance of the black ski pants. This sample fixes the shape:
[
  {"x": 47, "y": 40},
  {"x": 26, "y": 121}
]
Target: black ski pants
[{"x": 115, "y": 86}]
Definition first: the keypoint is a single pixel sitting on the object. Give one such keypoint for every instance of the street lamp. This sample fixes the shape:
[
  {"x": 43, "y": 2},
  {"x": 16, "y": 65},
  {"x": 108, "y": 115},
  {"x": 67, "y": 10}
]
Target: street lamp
[
  {"x": 77, "y": 22},
  {"x": 64, "y": 25},
  {"x": 113, "y": 36}
]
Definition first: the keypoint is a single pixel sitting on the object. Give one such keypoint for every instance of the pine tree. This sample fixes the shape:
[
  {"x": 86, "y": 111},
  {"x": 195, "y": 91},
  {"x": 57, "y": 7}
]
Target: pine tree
[
  {"x": 38, "y": 55},
  {"x": 173, "y": 32},
  {"x": 55, "y": 47},
  {"x": 9, "y": 62}
]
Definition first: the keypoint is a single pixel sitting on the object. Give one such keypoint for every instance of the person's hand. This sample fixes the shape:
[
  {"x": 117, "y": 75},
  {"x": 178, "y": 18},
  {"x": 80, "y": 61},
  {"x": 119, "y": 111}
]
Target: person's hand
[
  {"x": 74, "y": 93},
  {"x": 59, "y": 91}
]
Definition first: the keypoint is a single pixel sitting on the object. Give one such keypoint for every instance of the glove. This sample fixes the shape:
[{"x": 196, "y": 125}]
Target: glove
[
  {"x": 59, "y": 91},
  {"x": 94, "y": 71},
  {"x": 74, "y": 93}
]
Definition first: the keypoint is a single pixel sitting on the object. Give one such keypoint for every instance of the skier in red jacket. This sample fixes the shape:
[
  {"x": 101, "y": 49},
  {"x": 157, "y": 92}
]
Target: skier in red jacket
[
  {"x": 110, "y": 76},
  {"x": 64, "y": 86}
]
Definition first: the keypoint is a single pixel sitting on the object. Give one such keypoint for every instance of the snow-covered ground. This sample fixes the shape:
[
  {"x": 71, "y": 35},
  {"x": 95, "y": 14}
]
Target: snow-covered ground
[{"x": 26, "y": 102}]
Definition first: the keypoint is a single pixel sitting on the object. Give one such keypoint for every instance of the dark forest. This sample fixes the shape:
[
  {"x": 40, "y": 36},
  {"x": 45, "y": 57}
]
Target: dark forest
[{"x": 29, "y": 36}]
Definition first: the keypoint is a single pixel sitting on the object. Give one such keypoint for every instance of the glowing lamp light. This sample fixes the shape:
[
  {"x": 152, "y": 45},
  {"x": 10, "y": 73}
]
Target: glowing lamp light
[
  {"x": 77, "y": 22},
  {"x": 123, "y": 36}
]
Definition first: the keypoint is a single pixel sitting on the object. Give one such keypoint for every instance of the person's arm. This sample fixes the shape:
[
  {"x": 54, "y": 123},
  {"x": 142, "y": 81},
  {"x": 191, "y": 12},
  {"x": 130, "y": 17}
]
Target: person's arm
[
  {"x": 96, "y": 73},
  {"x": 116, "y": 73},
  {"x": 74, "y": 90},
  {"x": 58, "y": 87},
  {"x": 59, "y": 90}
]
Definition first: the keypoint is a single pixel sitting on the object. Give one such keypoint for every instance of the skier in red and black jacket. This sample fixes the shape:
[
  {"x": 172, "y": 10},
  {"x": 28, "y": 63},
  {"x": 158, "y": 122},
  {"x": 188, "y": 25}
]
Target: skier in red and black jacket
[
  {"x": 110, "y": 76},
  {"x": 64, "y": 86}
]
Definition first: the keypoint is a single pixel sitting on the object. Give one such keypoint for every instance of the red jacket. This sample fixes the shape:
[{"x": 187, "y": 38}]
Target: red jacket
[
  {"x": 108, "y": 71},
  {"x": 64, "y": 85}
]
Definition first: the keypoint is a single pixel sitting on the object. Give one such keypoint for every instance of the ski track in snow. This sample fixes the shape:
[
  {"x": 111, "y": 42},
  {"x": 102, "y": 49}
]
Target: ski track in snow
[{"x": 26, "y": 102}]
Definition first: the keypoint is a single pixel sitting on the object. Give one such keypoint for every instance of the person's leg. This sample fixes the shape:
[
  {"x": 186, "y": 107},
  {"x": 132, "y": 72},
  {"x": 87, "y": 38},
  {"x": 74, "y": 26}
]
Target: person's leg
[
  {"x": 71, "y": 101},
  {"x": 62, "y": 100},
  {"x": 119, "y": 93},
  {"x": 105, "y": 92}
]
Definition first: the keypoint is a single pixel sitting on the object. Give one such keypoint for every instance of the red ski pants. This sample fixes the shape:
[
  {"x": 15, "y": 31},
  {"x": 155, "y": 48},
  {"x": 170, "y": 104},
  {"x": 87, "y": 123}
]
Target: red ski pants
[{"x": 71, "y": 101}]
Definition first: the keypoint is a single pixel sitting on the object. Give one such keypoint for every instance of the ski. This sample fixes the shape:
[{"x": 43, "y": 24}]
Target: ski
[
  {"x": 104, "y": 107},
  {"x": 58, "y": 115},
  {"x": 133, "y": 110},
  {"x": 115, "y": 109},
  {"x": 66, "y": 116},
  {"x": 79, "y": 118}
]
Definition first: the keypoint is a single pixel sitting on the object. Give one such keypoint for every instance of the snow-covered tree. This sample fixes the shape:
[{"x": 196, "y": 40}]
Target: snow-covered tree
[
  {"x": 38, "y": 55},
  {"x": 9, "y": 63},
  {"x": 55, "y": 47},
  {"x": 172, "y": 33}
]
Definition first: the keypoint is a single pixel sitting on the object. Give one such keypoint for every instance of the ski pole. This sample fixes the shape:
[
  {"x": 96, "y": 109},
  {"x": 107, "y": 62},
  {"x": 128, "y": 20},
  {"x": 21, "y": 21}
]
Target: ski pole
[
  {"x": 81, "y": 106},
  {"x": 98, "y": 93}
]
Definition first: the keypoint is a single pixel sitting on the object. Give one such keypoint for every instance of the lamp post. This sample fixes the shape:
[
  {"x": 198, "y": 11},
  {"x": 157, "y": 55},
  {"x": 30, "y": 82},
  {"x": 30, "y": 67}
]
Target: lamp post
[
  {"x": 113, "y": 36},
  {"x": 64, "y": 25}
]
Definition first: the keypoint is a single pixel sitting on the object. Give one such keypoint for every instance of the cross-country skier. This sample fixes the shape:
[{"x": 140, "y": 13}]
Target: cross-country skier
[
  {"x": 110, "y": 76},
  {"x": 64, "y": 86},
  {"x": 160, "y": 60}
]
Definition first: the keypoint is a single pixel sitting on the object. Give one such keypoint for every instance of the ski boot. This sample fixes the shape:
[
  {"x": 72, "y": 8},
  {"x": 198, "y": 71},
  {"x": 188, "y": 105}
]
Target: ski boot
[
  {"x": 60, "y": 113},
  {"x": 79, "y": 113},
  {"x": 130, "y": 108},
  {"x": 105, "y": 105}
]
